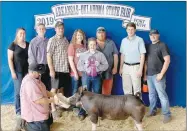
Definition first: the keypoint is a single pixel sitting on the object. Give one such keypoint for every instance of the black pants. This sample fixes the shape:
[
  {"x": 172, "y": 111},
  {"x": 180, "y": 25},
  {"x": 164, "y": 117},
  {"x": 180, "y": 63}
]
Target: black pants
[{"x": 46, "y": 79}]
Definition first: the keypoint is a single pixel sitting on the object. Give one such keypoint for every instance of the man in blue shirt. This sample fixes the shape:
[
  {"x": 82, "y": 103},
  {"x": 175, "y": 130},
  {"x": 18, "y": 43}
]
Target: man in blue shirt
[{"x": 132, "y": 60}]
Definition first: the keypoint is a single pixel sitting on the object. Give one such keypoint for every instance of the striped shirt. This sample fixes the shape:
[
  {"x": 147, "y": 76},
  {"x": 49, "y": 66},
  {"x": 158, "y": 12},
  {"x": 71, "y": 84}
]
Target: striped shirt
[{"x": 57, "y": 48}]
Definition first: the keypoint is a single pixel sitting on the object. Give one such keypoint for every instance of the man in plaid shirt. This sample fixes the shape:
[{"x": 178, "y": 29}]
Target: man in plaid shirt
[{"x": 57, "y": 58}]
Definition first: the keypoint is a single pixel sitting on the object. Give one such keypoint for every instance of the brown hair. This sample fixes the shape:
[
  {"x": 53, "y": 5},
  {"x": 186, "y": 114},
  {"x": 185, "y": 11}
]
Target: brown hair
[
  {"x": 91, "y": 39},
  {"x": 59, "y": 23},
  {"x": 17, "y": 30},
  {"x": 74, "y": 39},
  {"x": 131, "y": 24},
  {"x": 39, "y": 24}
]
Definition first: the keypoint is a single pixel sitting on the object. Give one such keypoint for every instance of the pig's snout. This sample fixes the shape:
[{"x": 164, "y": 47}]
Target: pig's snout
[{"x": 72, "y": 100}]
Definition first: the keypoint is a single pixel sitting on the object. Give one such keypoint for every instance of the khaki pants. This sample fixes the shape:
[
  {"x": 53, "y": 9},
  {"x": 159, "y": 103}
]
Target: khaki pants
[{"x": 131, "y": 83}]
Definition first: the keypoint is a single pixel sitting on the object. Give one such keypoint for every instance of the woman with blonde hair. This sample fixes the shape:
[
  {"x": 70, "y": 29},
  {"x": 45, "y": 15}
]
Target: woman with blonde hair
[
  {"x": 17, "y": 61},
  {"x": 76, "y": 47}
]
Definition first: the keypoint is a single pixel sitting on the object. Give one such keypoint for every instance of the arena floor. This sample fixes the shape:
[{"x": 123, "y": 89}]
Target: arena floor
[{"x": 69, "y": 122}]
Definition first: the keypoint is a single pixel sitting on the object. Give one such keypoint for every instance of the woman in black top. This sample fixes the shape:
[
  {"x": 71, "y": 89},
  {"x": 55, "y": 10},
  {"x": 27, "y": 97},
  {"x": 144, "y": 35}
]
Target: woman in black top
[{"x": 17, "y": 60}]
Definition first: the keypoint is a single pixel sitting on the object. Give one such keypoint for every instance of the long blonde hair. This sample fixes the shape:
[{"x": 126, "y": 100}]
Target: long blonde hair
[
  {"x": 74, "y": 39},
  {"x": 17, "y": 30}
]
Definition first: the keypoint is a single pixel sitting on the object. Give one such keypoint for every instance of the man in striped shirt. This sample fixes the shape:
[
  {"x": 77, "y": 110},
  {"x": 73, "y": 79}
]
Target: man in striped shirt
[{"x": 57, "y": 58}]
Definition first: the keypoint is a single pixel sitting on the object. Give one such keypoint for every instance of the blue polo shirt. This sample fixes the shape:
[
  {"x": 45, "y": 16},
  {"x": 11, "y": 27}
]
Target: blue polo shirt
[{"x": 132, "y": 49}]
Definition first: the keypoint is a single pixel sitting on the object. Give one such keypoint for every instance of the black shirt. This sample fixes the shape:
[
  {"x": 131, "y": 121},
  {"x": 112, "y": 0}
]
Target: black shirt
[
  {"x": 155, "y": 57},
  {"x": 20, "y": 57}
]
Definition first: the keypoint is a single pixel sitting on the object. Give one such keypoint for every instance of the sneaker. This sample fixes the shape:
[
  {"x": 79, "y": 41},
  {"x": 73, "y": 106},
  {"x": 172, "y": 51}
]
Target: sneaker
[
  {"x": 56, "y": 114},
  {"x": 82, "y": 117},
  {"x": 151, "y": 114},
  {"x": 167, "y": 119}
]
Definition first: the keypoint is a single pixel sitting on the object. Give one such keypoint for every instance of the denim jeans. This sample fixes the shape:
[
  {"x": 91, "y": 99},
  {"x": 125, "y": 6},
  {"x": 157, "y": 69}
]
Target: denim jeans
[
  {"x": 157, "y": 88},
  {"x": 94, "y": 83},
  {"x": 38, "y": 126},
  {"x": 75, "y": 85},
  {"x": 84, "y": 79},
  {"x": 17, "y": 86}
]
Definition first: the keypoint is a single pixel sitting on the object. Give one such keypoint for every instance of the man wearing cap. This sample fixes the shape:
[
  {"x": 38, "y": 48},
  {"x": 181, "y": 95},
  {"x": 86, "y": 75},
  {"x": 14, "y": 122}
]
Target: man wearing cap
[
  {"x": 157, "y": 63},
  {"x": 37, "y": 52},
  {"x": 57, "y": 58},
  {"x": 108, "y": 48},
  {"x": 132, "y": 60},
  {"x": 35, "y": 100}
]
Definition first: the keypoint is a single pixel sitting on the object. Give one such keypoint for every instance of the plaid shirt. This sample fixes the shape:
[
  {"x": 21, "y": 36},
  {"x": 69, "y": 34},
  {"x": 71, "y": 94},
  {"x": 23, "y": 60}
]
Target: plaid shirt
[{"x": 57, "y": 48}]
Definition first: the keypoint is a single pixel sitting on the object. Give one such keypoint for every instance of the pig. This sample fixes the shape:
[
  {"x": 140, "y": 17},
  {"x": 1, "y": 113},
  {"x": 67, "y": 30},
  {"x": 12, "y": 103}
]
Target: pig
[{"x": 114, "y": 107}]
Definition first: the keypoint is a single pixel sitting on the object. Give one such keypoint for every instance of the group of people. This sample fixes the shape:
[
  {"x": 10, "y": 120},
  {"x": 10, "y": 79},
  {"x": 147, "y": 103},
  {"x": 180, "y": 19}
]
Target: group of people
[{"x": 44, "y": 67}]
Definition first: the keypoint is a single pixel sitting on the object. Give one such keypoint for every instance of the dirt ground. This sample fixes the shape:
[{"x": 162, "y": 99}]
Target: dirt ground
[{"x": 70, "y": 122}]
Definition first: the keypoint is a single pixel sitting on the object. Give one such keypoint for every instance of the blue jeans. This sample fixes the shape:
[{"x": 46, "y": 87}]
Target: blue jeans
[
  {"x": 43, "y": 125},
  {"x": 75, "y": 85},
  {"x": 38, "y": 126},
  {"x": 94, "y": 83},
  {"x": 84, "y": 79},
  {"x": 17, "y": 86},
  {"x": 158, "y": 88}
]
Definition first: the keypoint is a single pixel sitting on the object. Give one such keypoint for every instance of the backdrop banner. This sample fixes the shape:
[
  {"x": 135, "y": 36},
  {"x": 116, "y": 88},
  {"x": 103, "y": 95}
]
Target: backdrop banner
[{"x": 90, "y": 10}]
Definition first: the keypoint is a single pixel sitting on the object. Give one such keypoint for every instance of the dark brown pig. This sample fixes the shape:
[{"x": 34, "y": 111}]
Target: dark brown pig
[{"x": 112, "y": 107}]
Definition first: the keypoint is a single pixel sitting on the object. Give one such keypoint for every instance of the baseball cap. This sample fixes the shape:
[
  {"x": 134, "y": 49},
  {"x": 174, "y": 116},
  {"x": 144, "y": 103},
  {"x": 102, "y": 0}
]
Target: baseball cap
[
  {"x": 101, "y": 29},
  {"x": 154, "y": 31},
  {"x": 59, "y": 23},
  {"x": 40, "y": 68}
]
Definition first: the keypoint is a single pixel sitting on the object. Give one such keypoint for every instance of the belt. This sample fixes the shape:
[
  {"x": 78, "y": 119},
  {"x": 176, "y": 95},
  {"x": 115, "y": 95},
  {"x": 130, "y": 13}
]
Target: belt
[
  {"x": 42, "y": 121},
  {"x": 131, "y": 64}
]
